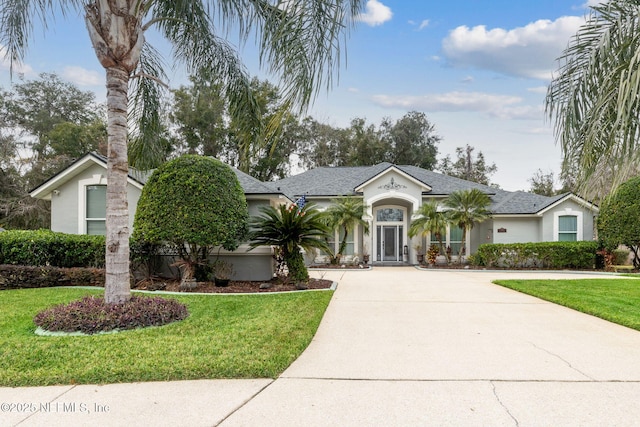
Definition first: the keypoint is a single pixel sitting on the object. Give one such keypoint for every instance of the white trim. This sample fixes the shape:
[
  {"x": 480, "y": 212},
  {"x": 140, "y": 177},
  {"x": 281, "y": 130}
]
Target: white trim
[
  {"x": 389, "y": 195},
  {"x": 568, "y": 212},
  {"x": 44, "y": 191},
  {"x": 405, "y": 230},
  {"x": 573, "y": 198},
  {"x": 390, "y": 169},
  {"x": 96, "y": 179}
]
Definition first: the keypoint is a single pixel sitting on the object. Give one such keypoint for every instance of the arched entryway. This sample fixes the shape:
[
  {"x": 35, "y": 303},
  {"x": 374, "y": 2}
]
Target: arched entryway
[{"x": 389, "y": 233}]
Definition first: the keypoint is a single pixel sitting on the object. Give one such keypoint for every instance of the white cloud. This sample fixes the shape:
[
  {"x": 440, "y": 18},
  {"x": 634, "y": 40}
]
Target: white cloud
[
  {"x": 494, "y": 105},
  {"x": 590, "y": 3},
  {"x": 528, "y": 51},
  {"x": 468, "y": 80},
  {"x": 538, "y": 89},
  {"x": 353, "y": 90},
  {"x": 424, "y": 24},
  {"x": 376, "y": 13},
  {"x": 83, "y": 77}
]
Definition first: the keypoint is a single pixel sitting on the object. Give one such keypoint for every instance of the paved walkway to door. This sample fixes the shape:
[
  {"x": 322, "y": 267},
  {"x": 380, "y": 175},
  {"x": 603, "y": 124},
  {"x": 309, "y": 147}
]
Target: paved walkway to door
[{"x": 399, "y": 346}]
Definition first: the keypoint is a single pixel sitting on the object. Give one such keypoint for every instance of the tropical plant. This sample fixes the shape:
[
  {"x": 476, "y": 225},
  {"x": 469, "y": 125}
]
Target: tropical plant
[
  {"x": 465, "y": 208},
  {"x": 194, "y": 203},
  {"x": 290, "y": 229},
  {"x": 431, "y": 219},
  {"x": 594, "y": 99},
  {"x": 619, "y": 219},
  {"x": 345, "y": 214},
  {"x": 299, "y": 40}
]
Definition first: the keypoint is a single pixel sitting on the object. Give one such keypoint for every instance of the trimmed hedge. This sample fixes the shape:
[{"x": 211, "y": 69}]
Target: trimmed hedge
[
  {"x": 577, "y": 255},
  {"x": 19, "y": 277},
  {"x": 48, "y": 248}
]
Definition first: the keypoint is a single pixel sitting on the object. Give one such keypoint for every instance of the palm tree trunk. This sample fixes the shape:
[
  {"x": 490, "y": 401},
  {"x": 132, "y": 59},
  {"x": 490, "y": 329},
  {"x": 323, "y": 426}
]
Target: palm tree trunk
[
  {"x": 117, "y": 287},
  {"x": 463, "y": 244}
]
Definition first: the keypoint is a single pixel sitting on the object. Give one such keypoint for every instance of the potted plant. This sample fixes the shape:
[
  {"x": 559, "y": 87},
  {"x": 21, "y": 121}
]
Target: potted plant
[
  {"x": 419, "y": 253},
  {"x": 222, "y": 272}
]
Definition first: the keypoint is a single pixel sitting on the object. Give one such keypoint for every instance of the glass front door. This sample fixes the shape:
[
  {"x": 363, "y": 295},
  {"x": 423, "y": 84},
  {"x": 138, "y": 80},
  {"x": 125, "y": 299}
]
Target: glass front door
[
  {"x": 389, "y": 238},
  {"x": 390, "y": 250}
]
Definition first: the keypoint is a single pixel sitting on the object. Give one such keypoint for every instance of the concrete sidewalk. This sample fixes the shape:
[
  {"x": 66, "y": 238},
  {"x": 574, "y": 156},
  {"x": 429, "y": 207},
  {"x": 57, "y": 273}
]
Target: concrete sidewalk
[{"x": 397, "y": 346}]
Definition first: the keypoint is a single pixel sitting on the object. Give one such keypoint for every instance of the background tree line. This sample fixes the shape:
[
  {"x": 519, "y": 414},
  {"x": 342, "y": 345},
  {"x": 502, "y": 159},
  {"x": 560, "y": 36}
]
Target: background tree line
[{"x": 46, "y": 124}]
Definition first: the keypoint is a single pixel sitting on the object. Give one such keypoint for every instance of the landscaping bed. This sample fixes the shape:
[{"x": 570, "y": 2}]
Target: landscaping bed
[{"x": 274, "y": 285}]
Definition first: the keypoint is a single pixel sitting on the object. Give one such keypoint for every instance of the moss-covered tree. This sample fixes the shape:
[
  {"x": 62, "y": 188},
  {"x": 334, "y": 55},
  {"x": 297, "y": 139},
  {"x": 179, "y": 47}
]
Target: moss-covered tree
[
  {"x": 195, "y": 203},
  {"x": 619, "y": 219}
]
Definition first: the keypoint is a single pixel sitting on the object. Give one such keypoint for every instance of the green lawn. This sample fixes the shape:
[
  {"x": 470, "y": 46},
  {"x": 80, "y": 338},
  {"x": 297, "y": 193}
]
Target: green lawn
[
  {"x": 243, "y": 336},
  {"x": 616, "y": 300}
]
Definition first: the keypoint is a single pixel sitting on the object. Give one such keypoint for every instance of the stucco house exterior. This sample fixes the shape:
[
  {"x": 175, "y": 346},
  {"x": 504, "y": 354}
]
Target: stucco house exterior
[{"x": 392, "y": 194}]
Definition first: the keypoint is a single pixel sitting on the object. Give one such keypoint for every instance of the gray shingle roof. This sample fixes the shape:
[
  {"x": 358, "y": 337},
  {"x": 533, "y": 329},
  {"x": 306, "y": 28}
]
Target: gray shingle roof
[
  {"x": 339, "y": 181},
  {"x": 342, "y": 181},
  {"x": 249, "y": 184}
]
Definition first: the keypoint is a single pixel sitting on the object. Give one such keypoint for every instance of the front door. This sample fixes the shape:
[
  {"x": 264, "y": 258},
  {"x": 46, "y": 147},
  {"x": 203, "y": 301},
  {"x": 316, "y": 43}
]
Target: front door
[{"x": 389, "y": 239}]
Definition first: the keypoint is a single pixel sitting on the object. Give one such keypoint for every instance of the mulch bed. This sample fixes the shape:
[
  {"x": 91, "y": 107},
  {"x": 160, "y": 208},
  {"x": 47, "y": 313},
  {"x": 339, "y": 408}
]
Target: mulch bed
[{"x": 275, "y": 285}]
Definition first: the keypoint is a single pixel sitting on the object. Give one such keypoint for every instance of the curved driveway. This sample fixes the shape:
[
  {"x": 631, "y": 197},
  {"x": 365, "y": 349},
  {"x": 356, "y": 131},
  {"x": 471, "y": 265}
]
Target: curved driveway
[
  {"x": 396, "y": 347},
  {"x": 400, "y": 346}
]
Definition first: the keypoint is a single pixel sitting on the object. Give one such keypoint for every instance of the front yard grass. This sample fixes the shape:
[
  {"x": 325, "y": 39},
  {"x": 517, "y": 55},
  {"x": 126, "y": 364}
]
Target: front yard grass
[
  {"x": 615, "y": 300},
  {"x": 242, "y": 336}
]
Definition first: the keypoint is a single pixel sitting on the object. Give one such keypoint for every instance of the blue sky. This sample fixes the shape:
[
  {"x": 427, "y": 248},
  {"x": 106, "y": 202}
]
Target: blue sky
[{"x": 477, "y": 68}]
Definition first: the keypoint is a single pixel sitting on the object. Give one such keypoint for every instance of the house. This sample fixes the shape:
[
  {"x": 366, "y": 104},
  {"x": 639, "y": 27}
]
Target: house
[
  {"x": 78, "y": 206},
  {"x": 391, "y": 193},
  {"x": 394, "y": 193}
]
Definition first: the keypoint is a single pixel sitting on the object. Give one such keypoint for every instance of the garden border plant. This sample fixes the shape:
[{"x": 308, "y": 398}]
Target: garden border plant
[
  {"x": 574, "y": 255},
  {"x": 91, "y": 315}
]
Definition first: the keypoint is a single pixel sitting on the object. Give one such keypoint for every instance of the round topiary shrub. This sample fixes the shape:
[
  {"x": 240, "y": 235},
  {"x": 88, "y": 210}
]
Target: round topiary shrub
[
  {"x": 194, "y": 203},
  {"x": 92, "y": 315},
  {"x": 619, "y": 218}
]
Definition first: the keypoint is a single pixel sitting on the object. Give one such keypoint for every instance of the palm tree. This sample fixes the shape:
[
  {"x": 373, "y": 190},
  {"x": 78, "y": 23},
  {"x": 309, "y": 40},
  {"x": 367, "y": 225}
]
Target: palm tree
[
  {"x": 345, "y": 213},
  {"x": 430, "y": 220},
  {"x": 299, "y": 40},
  {"x": 464, "y": 209},
  {"x": 290, "y": 229},
  {"x": 594, "y": 99}
]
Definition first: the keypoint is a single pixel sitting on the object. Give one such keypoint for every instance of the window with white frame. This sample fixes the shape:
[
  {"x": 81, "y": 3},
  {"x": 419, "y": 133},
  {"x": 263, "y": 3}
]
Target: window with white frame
[
  {"x": 349, "y": 249},
  {"x": 567, "y": 228},
  {"x": 455, "y": 239},
  {"x": 96, "y": 209},
  {"x": 568, "y": 225},
  {"x": 336, "y": 239}
]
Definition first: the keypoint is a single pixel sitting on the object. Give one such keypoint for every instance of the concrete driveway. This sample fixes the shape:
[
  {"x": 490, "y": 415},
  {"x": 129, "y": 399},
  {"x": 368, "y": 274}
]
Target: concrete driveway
[{"x": 399, "y": 346}]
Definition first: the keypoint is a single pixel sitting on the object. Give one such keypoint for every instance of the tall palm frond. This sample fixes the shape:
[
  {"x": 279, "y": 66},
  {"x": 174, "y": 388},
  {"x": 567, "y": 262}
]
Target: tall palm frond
[
  {"x": 346, "y": 213},
  {"x": 466, "y": 208},
  {"x": 299, "y": 41},
  {"x": 430, "y": 220},
  {"x": 290, "y": 229},
  {"x": 594, "y": 100}
]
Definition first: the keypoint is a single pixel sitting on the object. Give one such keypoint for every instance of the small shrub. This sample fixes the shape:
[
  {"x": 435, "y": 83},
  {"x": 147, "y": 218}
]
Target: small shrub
[
  {"x": 432, "y": 254},
  {"x": 91, "y": 315},
  {"x": 620, "y": 256}
]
